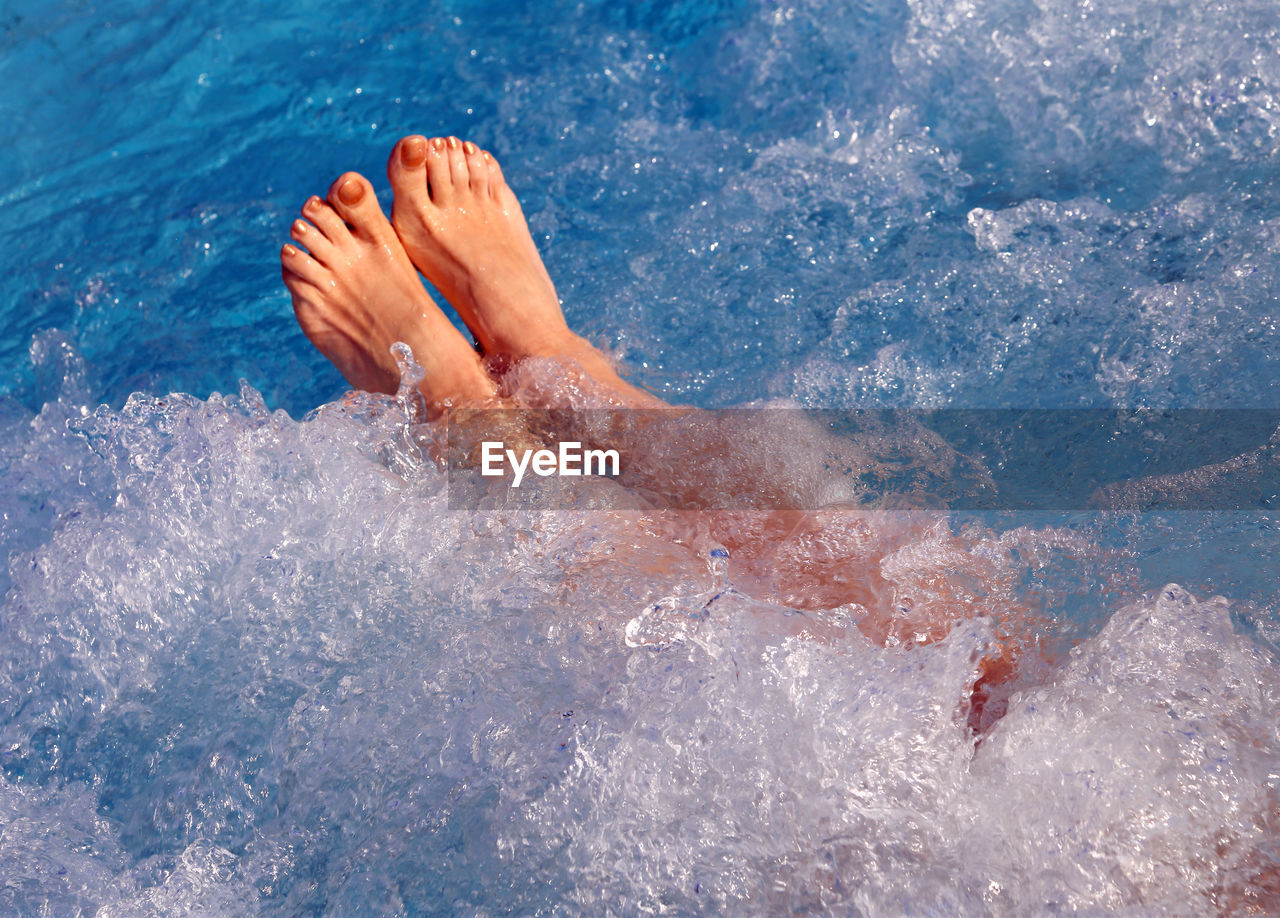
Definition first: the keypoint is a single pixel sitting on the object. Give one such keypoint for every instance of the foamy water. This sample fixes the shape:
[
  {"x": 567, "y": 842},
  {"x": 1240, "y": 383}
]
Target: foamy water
[
  {"x": 251, "y": 664},
  {"x": 256, "y": 663}
]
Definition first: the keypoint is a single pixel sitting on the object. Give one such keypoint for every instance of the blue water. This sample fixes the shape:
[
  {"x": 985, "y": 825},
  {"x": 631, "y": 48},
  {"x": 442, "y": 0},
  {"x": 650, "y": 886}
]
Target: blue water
[{"x": 249, "y": 661}]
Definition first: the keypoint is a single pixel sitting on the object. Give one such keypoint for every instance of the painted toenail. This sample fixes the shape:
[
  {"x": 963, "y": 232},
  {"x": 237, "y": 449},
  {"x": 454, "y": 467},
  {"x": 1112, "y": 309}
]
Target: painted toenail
[
  {"x": 413, "y": 152},
  {"x": 469, "y": 147},
  {"x": 312, "y": 203},
  {"x": 487, "y": 157},
  {"x": 453, "y": 143},
  {"x": 289, "y": 250},
  {"x": 437, "y": 143},
  {"x": 350, "y": 192}
]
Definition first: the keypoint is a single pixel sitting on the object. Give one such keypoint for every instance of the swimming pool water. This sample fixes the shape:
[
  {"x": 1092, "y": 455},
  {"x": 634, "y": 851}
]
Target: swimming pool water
[{"x": 251, "y": 663}]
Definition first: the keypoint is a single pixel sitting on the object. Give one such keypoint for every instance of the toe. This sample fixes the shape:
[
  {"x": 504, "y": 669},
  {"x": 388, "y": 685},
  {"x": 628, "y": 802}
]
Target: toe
[
  {"x": 353, "y": 198},
  {"x": 407, "y": 171},
  {"x": 325, "y": 220},
  {"x": 438, "y": 178},
  {"x": 496, "y": 181},
  {"x": 477, "y": 168},
  {"x": 298, "y": 267},
  {"x": 493, "y": 173},
  {"x": 457, "y": 163},
  {"x": 304, "y": 233}
]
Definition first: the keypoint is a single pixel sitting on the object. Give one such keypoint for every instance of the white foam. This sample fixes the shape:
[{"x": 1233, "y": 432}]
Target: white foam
[{"x": 262, "y": 654}]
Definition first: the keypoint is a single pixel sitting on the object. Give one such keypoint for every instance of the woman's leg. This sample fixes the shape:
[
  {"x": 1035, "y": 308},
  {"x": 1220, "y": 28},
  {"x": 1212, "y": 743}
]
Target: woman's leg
[{"x": 463, "y": 228}]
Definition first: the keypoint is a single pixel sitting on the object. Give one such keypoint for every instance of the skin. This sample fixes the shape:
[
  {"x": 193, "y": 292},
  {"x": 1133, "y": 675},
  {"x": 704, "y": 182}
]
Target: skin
[
  {"x": 355, "y": 293},
  {"x": 463, "y": 228}
]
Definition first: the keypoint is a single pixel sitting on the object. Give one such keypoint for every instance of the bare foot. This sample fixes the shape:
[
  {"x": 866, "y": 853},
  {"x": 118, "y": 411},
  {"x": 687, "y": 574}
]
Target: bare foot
[
  {"x": 464, "y": 230},
  {"x": 355, "y": 293}
]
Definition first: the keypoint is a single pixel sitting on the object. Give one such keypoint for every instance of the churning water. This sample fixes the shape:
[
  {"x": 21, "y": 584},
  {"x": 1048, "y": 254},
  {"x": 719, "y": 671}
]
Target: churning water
[{"x": 251, "y": 664}]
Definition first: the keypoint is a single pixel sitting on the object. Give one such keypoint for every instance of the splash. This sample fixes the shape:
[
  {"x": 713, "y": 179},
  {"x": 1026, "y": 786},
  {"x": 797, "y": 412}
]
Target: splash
[{"x": 255, "y": 656}]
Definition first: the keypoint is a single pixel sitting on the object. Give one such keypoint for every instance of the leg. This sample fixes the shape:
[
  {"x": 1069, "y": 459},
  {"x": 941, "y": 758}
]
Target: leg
[
  {"x": 355, "y": 293},
  {"x": 464, "y": 228}
]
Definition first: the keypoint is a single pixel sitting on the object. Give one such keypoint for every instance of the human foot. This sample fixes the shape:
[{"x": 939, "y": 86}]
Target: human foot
[
  {"x": 464, "y": 230},
  {"x": 355, "y": 293}
]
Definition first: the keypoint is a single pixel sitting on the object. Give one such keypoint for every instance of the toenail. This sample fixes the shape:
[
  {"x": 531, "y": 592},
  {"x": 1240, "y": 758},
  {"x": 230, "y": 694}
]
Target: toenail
[
  {"x": 437, "y": 143},
  {"x": 487, "y": 157},
  {"x": 469, "y": 147},
  {"x": 350, "y": 192},
  {"x": 453, "y": 143},
  {"x": 312, "y": 203},
  {"x": 289, "y": 250},
  {"x": 413, "y": 152},
  {"x": 299, "y": 227}
]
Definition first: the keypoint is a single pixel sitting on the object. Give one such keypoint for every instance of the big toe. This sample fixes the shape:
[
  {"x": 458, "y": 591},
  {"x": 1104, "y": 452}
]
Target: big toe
[
  {"x": 353, "y": 198},
  {"x": 407, "y": 170}
]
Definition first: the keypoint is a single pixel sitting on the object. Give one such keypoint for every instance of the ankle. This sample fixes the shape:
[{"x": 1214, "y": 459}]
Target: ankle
[{"x": 560, "y": 343}]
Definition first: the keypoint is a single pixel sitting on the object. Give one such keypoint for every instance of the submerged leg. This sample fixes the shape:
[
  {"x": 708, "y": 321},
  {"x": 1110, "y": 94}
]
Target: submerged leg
[
  {"x": 355, "y": 293},
  {"x": 462, "y": 227}
]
